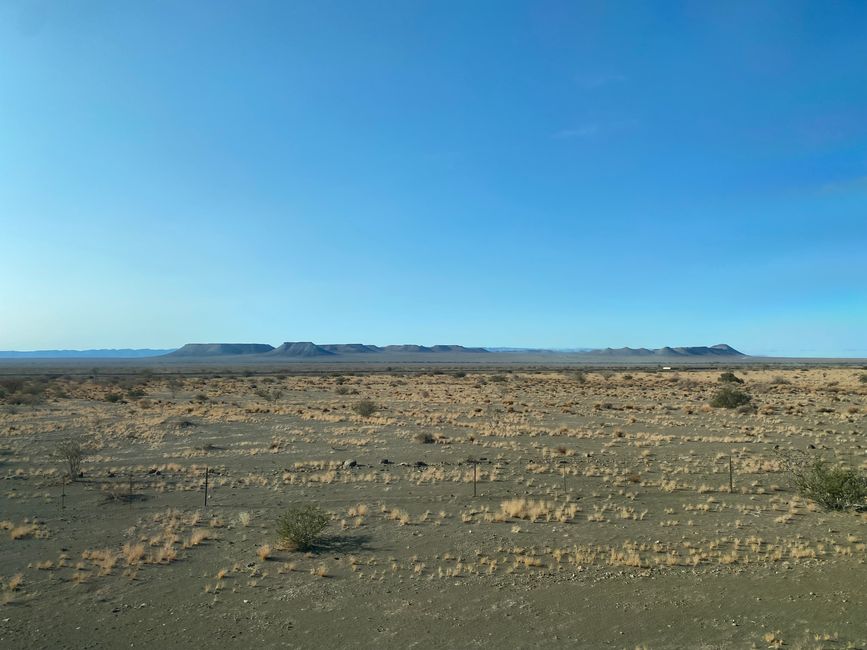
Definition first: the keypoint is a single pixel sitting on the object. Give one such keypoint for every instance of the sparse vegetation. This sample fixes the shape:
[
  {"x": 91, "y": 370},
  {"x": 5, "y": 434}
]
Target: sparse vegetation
[
  {"x": 300, "y": 526},
  {"x": 71, "y": 453},
  {"x": 730, "y": 378},
  {"x": 729, "y": 398},
  {"x": 832, "y": 487},
  {"x": 365, "y": 407},
  {"x": 615, "y": 477}
]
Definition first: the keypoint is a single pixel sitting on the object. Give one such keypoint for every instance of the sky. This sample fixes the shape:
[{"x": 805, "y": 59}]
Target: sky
[{"x": 496, "y": 173}]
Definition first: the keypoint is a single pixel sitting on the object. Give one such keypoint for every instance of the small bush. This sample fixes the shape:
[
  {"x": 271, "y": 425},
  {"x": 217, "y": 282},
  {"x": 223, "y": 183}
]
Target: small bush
[
  {"x": 729, "y": 398},
  {"x": 424, "y": 438},
  {"x": 365, "y": 407},
  {"x": 833, "y": 488},
  {"x": 300, "y": 526},
  {"x": 269, "y": 395},
  {"x": 69, "y": 451},
  {"x": 342, "y": 390},
  {"x": 863, "y": 378},
  {"x": 730, "y": 378}
]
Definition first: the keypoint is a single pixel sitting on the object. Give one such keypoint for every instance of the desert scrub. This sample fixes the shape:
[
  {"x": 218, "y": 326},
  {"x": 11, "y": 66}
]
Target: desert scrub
[
  {"x": 300, "y": 526},
  {"x": 832, "y": 487},
  {"x": 70, "y": 452},
  {"x": 729, "y": 378},
  {"x": 365, "y": 407},
  {"x": 729, "y": 398}
]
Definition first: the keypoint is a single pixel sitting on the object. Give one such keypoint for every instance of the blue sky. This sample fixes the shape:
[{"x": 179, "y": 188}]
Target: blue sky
[{"x": 489, "y": 173}]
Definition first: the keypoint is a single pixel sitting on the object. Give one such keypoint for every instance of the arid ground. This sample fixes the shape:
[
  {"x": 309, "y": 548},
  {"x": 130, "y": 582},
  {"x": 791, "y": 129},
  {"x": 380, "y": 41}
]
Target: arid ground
[{"x": 602, "y": 515}]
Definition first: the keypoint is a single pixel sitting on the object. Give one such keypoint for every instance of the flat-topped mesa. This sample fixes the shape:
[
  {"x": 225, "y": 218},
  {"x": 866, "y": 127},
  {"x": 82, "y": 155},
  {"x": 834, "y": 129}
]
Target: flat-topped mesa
[
  {"x": 456, "y": 348},
  {"x": 433, "y": 348},
  {"x": 220, "y": 349},
  {"x": 350, "y": 348},
  {"x": 303, "y": 349},
  {"x": 719, "y": 350}
]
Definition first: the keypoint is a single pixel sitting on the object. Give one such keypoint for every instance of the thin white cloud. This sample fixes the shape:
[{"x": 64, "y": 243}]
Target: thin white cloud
[
  {"x": 591, "y": 82},
  {"x": 595, "y": 129},
  {"x": 581, "y": 132},
  {"x": 854, "y": 184}
]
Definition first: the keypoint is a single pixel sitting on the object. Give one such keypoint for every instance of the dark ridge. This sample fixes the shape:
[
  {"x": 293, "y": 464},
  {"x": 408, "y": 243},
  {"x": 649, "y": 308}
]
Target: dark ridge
[
  {"x": 455, "y": 348},
  {"x": 433, "y": 348},
  {"x": 123, "y": 353},
  {"x": 721, "y": 350},
  {"x": 220, "y": 349},
  {"x": 350, "y": 348},
  {"x": 405, "y": 348},
  {"x": 303, "y": 349}
]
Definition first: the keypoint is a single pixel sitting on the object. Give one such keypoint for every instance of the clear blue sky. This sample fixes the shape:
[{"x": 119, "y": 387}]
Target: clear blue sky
[{"x": 488, "y": 173}]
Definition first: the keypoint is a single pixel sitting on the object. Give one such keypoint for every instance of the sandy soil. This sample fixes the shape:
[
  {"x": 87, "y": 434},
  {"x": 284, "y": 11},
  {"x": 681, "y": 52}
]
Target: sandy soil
[{"x": 602, "y": 515}]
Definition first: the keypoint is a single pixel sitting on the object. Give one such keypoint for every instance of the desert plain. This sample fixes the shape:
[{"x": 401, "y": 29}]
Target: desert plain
[{"x": 474, "y": 507}]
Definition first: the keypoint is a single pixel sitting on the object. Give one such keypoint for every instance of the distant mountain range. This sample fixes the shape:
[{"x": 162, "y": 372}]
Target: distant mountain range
[
  {"x": 720, "y": 350},
  {"x": 310, "y": 350},
  {"x": 125, "y": 353},
  {"x": 307, "y": 349}
]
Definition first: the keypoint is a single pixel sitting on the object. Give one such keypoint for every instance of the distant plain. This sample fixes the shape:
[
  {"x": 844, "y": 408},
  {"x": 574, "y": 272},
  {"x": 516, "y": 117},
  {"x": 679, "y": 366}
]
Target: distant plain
[{"x": 602, "y": 515}]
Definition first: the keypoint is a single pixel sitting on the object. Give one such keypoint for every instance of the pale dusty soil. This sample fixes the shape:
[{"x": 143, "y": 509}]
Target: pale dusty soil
[{"x": 627, "y": 535}]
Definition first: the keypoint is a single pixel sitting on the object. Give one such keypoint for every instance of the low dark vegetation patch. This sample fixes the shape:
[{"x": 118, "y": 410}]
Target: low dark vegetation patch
[
  {"x": 300, "y": 526},
  {"x": 730, "y": 378},
  {"x": 832, "y": 487},
  {"x": 24, "y": 392},
  {"x": 729, "y": 397},
  {"x": 365, "y": 407}
]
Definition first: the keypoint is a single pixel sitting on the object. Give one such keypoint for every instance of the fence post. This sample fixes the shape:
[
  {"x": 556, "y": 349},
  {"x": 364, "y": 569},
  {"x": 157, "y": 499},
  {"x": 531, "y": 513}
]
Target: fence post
[
  {"x": 475, "y": 465},
  {"x": 731, "y": 477}
]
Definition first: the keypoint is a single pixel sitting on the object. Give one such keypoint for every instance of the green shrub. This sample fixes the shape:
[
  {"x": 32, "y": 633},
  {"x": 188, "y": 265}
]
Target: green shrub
[
  {"x": 300, "y": 526},
  {"x": 365, "y": 407},
  {"x": 863, "y": 378},
  {"x": 833, "y": 488},
  {"x": 70, "y": 452},
  {"x": 729, "y": 398},
  {"x": 730, "y": 378}
]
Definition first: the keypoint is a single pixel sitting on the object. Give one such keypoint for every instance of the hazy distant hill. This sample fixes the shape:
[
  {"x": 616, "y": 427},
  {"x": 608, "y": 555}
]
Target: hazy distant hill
[
  {"x": 124, "y": 353},
  {"x": 359, "y": 351},
  {"x": 220, "y": 349},
  {"x": 433, "y": 348},
  {"x": 303, "y": 349},
  {"x": 720, "y": 350},
  {"x": 350, "y": 348}
]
